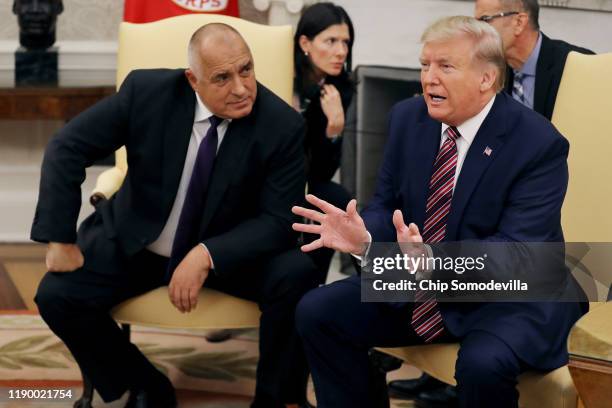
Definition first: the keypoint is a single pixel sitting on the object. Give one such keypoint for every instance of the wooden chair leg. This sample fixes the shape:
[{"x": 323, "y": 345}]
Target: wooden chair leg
[{"x": 87, "y": 396}]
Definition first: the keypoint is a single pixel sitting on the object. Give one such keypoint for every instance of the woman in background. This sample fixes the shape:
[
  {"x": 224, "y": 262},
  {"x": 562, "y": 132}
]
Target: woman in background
[{"x": 323, "y": 91}]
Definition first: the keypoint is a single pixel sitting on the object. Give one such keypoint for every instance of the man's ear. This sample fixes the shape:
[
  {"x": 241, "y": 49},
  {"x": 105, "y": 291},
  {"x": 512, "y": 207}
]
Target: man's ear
[
  {"x": 489, "y": 77},
  {"x": 191, "y": 78},
  {"x": 522, "y": 21}
]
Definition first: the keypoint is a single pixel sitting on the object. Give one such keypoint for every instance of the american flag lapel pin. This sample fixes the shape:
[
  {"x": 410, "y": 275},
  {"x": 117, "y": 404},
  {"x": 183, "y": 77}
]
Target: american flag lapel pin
[{"x": 487, "y": 151}]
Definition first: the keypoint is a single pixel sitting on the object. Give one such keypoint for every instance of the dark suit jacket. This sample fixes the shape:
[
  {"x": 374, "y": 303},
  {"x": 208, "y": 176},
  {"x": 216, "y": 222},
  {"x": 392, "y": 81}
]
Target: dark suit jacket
[
  {"x": 512, "y": 195},
  {"x": 549, "y": 70},
  {"x": 257, "y": 177}
]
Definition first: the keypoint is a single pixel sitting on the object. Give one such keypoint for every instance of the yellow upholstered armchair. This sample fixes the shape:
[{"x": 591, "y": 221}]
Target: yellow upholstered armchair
[
  {"x": 163, "y": 44},
  {"x": 583, "y": 114}
]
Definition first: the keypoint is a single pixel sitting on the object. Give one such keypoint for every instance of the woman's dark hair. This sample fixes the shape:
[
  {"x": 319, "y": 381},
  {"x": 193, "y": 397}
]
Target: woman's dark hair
[{"x": 315, "y": 19}]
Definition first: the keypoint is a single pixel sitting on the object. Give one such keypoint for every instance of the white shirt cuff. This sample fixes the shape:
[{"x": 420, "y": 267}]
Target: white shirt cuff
[
  {"x": 363, "y": 259},
  {"x": 212, "y": 264}
]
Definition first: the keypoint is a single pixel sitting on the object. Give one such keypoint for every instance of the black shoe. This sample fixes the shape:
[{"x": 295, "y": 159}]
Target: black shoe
[
  {"x": 445, "y": 397},
  {"x": 162, "y": 396},
  {"x": 410, "y": 389},
  {"x": 264, "y": 401},
  {"x": 219, "y": 336}
]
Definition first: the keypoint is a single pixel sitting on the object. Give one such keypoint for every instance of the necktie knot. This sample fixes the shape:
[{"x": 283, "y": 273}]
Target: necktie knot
[
  {"x": 453, "y": 133},
  {"x": 518, "y": 77},
  {"x": 215, "y": 121}
]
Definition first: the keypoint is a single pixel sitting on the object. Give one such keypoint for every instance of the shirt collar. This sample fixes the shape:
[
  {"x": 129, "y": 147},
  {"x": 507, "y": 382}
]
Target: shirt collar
[
  {"x": 469, "y": 128},
  {"x": 529, "y": 67},
  {"x": 202, "y": 113}
]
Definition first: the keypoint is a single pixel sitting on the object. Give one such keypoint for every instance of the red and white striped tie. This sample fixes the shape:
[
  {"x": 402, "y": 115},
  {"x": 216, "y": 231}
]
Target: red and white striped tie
[{"x": 426, "y": 317}]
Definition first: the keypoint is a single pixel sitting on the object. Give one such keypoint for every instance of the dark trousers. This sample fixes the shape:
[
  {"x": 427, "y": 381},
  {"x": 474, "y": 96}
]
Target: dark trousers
[
  {"x": 336, "y": 195},
  {"x": 337, "y": 330},
  {"x": 76, "y": 307}
]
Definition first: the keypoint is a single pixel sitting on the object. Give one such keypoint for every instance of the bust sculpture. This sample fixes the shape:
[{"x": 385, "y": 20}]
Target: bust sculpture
[{"x": 37, "y": 20}]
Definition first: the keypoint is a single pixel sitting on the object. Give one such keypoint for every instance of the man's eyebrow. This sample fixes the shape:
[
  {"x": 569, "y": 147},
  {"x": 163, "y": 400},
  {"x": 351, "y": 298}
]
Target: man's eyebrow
[
  {"x": 218, "y": 74},
  {"x": 443, "y": 60}
]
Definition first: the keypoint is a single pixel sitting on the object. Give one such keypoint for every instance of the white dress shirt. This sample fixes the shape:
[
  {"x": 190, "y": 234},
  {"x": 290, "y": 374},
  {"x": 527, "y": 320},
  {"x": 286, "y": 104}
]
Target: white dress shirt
[
  {"x": 467, "y": 130},
  {"x": 201, "y": 123}
]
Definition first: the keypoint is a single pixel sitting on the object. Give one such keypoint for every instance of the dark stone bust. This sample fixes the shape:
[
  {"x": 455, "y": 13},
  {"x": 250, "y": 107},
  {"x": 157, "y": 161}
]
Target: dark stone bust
[{"x": 37, "y": 20}]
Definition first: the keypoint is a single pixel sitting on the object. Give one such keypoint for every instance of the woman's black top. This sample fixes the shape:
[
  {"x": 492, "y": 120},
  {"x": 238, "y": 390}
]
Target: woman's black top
[{"x": 322, "y": 153}]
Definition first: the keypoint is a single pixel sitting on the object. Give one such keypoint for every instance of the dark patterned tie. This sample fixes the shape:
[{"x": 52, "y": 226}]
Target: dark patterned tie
[
  {"x": 518, "y": 93},
  {"x": 426, "y": 317},
  {"x": 186, "y": 235}
]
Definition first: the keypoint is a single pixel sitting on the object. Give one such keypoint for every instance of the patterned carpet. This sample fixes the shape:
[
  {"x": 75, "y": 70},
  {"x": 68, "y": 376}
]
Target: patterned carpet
[{"x": 29, "y": 351}]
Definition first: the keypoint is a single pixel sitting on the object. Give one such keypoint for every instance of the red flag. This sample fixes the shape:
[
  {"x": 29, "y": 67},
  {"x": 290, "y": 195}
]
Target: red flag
[{"x": 145, "y": 11}]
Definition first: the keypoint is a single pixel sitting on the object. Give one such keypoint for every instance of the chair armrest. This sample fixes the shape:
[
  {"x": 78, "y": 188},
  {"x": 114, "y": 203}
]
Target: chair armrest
[{"x": 107, "y": 184}]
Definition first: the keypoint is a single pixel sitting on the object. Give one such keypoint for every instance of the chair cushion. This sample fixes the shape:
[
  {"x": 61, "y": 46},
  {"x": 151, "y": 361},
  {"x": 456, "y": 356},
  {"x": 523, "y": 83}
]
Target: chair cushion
[
  {"x": 550, "y": 390},
  {"x": 592, "y": 334},
  {"x": 215, "y": 310}
]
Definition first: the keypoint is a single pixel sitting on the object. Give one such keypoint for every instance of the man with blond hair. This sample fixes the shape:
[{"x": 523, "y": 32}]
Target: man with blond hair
[
  {"x": 463, "y": 162},
  {"x": 535, "y": 66}
]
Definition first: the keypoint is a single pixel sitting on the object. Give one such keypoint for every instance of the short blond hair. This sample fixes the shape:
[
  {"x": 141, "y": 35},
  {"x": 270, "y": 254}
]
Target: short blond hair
[{"x": 488, "y": 44}]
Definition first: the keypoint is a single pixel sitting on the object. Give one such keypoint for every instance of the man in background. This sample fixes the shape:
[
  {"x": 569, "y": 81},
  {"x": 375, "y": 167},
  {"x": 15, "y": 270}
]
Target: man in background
[{"x": 535, "y": 62}]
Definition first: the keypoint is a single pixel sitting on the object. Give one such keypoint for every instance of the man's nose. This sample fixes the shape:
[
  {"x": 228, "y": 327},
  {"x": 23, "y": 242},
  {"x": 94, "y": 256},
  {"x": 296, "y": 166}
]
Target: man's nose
[
  {"x": 430, "y": 76},
  {"x": 238, "y": 87}
]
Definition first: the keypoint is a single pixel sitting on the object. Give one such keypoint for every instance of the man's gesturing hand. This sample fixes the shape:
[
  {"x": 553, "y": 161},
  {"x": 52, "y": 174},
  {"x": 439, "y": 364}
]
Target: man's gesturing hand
[
  {"x": 63, "y": 257},
  {"x": 405, "y": 233},
  {"x": 341, "y": 230},
  {"x": 408, "y": 237},
  {"x": 188, "y": 278}
]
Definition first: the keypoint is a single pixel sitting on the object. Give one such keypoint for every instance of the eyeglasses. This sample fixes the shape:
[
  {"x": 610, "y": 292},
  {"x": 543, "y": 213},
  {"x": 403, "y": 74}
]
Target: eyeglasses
[{"x": 486, "y": 18}]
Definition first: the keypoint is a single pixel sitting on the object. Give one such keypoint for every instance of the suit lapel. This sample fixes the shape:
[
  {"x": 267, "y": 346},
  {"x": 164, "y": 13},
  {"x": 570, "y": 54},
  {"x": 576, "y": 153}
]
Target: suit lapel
[
  {"x": 235, "y": 144},
  {"x": 509, "y": 79},
  {"x": 427, "y": 144},
  {"x": 176, "y": 141},
  {"x": 544, "y": 75},
  {"x": 476, "y": 162}
]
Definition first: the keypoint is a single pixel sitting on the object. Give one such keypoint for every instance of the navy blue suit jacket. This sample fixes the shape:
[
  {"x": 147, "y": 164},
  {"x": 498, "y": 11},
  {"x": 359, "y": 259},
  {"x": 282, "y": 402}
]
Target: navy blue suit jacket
[{"x": 514, "y": 194}]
